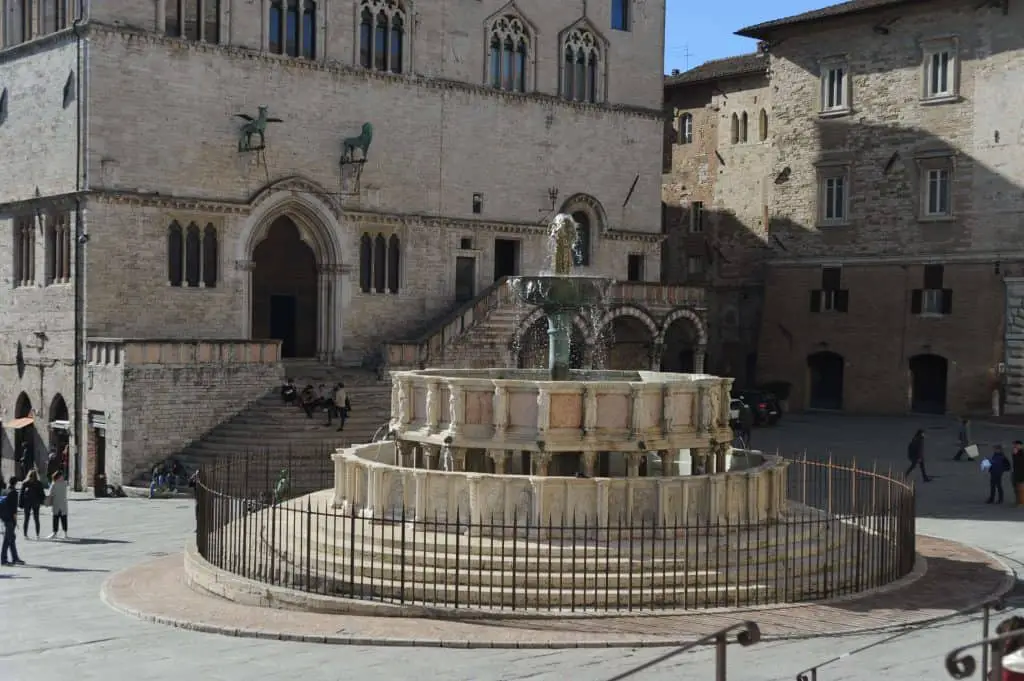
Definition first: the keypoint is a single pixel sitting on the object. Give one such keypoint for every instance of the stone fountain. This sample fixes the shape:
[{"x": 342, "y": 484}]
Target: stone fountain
[{"x": 555, "y": 442}]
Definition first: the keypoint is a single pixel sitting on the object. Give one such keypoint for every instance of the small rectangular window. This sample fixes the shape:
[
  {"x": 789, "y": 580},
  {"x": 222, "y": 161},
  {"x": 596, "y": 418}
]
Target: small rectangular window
[
  {"x": 831, "y": 278},
  {"x": 833, "y": 199},
  {"x": 937, "y": 193},
  {"x": 695, "y": 266},
  {"x": 933, "y": 276},
  {"x": 466, "y": 243},
  {"x": 478, "y": 203},
  {"x": 834, "y": 89},
  {"x": 635, "y": 267},
  {"x": 697, "y": 217},
  {"x": 939, "y": 70},
  {"x": 621, "y": 15}
]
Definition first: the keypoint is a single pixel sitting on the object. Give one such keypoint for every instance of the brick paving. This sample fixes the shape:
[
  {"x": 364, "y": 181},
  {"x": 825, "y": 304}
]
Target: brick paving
[{"x": 955, "y": 577}]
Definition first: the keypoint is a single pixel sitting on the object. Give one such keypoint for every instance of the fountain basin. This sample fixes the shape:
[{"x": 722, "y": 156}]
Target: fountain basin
[
  {"x": 521, "y": 409},
  {"x": 561, "y": 292},
  {"x": 369, "y": 482}
]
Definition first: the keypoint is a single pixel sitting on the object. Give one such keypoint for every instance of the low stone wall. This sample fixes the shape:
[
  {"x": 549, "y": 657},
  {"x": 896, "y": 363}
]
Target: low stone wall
[
  {"x": 368, "y": 482},
  {"x": 157, "y": 396}
]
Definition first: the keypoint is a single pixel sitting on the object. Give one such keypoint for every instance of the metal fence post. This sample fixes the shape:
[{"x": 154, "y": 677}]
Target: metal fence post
[{"x": 721, "y": 651}]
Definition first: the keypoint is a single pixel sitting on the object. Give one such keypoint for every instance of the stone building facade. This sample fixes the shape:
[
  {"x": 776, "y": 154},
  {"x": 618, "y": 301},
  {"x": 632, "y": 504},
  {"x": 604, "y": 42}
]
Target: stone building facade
[
  {"x": 896, "y": 206},
  {"x": 120, "y": 133},
  {"x": 716, "y": 190}
]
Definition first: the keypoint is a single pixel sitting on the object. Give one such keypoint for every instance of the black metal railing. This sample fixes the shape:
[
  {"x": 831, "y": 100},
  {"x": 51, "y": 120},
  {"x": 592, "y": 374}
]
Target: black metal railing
[{"x": 845, "y": 530}]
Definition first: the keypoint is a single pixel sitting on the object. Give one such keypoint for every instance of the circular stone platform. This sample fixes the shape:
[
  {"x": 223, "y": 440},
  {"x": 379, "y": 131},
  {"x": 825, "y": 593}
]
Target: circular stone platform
[{"x": 950, "y": 577}]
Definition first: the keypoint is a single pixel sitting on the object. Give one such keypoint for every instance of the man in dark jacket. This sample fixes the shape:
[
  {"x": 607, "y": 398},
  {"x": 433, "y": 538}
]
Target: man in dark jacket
[
  {"x": 1017, "y": 476},
  {"x": 9, "y": 517},
  {"x": 746, "y": 420},
  {"x": 915, "y": 452},
  {"x": 998, "y": 465}
]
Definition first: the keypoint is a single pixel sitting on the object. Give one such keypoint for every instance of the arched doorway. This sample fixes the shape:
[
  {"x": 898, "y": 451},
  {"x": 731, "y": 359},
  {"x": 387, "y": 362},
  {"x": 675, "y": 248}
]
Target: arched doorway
[
  {"x": 928, "y": 383},
  {"x": 285, "y": 301},
  {"x": 60, "y": 424},
  {"x": 531, "y": 346},
  {"x": 24, "y": 434},
  {"x": 825, "y": 378},
  {"x": 681, "y": 345},
  {"x": 624, "y": 344}
]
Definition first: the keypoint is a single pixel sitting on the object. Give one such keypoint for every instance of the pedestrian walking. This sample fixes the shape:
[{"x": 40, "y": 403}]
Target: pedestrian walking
[
  {"x": 746, "y": 425},
  {"x": 963, "y": 439},
  {"x": 57, "y": 500},
  {"x": 33, "y": 495},
  {"x": 998, "y": 465},
  {"x": 915, "y": 452},
  {"x": 339, "y": 406},
  {"x": 9, "y": 517}
]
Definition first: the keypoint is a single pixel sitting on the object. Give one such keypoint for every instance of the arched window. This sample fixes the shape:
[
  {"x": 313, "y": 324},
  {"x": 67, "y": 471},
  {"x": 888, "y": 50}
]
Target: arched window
[
  {"x": 762, "y": 125},
  {"x": 291, "y": 29},
  {"x": 686, "y": 128},
  {"x": 581, "y": 254},
  {"x": 743, "y": 127},
  {"x": 193, "y": 255},
  {"x": 366, "y": 263},
  {"x": 393, "y": 263},
  {"x": 735, "y": 129},
  {"x": 175, "y": 242},
  {"x": 380, "y": 264},
  {"x": 309, "y": 29},
  {"x": 510, "y": 51},
  {"x": 382, "y": 35},
  {"x": 580, "y": 66},
  {"x": 58, "y": 249},
  {"x": 275, "y": 27},
  {"x": 210, "y": 261}
]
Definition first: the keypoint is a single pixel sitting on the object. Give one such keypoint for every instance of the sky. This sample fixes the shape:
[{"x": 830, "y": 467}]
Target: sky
[{"x": 697, "y": 31}]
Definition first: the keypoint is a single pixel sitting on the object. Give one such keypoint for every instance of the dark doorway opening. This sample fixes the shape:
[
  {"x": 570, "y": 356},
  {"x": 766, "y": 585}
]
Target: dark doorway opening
[
  {"x": 24, "y": 435},
  {"x": 826, "y": 380},
  {"x": 285, "y": 301},
  {"x": 98, "y": 457},
  {"x": 928, "y": 383},
  {"x": 506, "y": 258},
  {"x": 465, "y": 278},
  {"x": 283, "y": 322}
]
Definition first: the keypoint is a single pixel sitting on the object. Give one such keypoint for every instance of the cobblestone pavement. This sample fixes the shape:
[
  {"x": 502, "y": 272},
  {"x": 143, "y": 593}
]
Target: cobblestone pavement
[{"x": 59, "y": 629}]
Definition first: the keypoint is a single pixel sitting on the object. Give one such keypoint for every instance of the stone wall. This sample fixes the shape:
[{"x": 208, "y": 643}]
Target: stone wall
[
  {"x": 884, "y": 145},
  {"x": 733, "y": 183},
  {"x": 171, "y": 394}
]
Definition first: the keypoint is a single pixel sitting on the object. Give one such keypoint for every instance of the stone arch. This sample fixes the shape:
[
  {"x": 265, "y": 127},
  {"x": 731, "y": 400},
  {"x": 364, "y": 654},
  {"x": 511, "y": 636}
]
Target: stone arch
[
  {"x": 681, "y": 354},
  {"x": 60, "y": 428},
  {"x": 306, "y": 206},
  {"x": 23, "y": 406},
  {"x": 58, "y": 408},
  {"x": 683, "y": 313},
  {"x": 634, "y": 311},
  {"x": 588, "y": 204},
  {"x": 538, "y": 313},
  {"x": 24, "y": 434}
]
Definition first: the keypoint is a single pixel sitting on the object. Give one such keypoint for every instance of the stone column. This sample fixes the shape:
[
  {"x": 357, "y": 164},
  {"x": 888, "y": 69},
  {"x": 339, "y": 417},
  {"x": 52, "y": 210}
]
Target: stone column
[
  {"x": 543, "y": 460},
  {"x": 589, "y": 463},
  {"x": 698, "y": 359},
  {"x": 459, "y": 458},
  {"x": 246, "y": 267},
  {"x": 499, "y": 456},
  {"x": 721, "y": 454},
  {"x": 323, "y": 314},
  {"x": 633, "y": 464},
  {"x": 589, "y": 411},
  {"x": 657, "y": 350},
  {"x": 669, "y": 462},
  {"x": 636, "y": 410},
  {"x": 431, "y": 456},
  {"x": 406, "y": 454}
]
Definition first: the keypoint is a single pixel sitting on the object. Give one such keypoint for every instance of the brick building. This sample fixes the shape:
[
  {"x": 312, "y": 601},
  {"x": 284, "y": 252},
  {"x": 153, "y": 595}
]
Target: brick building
[
  {"x": 896, "y": 206},
  {"x": 126, "y": 188},
  {"x": 716, "y": 190}
]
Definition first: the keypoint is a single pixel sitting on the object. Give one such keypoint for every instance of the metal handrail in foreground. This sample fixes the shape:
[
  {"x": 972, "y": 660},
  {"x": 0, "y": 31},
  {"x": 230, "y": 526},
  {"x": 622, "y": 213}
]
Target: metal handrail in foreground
[
  {"x": 749, "y": 634},
  {"x": 811, "y": 673},
  {"x": 961, "y": 666}
]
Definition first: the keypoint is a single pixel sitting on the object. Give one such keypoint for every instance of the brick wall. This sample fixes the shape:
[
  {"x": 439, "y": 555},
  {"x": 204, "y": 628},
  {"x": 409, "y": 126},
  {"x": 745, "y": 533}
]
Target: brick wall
[{"x": 879, "y": 335}]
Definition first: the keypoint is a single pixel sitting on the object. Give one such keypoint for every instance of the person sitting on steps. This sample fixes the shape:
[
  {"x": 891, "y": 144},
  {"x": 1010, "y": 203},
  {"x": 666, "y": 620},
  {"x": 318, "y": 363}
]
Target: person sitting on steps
[
  {"x": 307, "y": 400},
  {"x": 289, "y": 393}
]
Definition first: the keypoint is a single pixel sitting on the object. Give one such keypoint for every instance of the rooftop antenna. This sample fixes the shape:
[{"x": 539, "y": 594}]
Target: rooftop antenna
[{"x": 686, "y": 56}]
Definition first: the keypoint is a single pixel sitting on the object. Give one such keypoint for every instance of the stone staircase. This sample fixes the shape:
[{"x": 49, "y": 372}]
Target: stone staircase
[{"x": 269, "y": 424}]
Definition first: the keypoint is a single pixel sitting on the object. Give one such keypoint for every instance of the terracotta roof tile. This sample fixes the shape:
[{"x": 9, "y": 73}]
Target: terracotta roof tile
[
  {"x": 762, "y": 30},
  {"x": 716, "y": 69}
]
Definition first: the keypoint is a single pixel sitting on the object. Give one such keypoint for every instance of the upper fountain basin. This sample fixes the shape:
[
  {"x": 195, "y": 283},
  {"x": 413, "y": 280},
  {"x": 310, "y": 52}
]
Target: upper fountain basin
[{"x": 554, "y": 292}]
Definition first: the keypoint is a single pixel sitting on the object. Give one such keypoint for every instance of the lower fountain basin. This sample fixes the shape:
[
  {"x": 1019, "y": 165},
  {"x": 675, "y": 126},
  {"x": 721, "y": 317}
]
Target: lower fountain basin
[{"x": 561, "y": 292}]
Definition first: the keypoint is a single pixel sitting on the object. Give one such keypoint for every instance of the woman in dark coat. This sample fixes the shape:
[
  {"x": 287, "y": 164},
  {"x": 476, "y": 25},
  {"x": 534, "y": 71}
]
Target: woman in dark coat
[{"x": 33, "y": 494}]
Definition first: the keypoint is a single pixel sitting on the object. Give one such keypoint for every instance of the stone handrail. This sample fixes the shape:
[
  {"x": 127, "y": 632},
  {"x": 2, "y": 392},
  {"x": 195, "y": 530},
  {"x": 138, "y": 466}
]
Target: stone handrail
[
  {"x": 369, "y": 482},
  {"x": 128, "y": 351},
  {"x": 419, "y": 352}
]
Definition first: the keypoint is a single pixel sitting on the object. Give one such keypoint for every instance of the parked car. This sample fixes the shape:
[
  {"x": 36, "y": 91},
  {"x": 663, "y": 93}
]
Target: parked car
[
  {"x": 735, "y": 405},
  {"x": 766, "y": 407}
]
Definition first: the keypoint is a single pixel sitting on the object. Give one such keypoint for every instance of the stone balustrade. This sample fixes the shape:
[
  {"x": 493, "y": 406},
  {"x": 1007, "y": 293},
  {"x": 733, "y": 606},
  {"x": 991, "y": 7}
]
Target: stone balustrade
[
  {"x": 518, "y": 409},
  {"x": 118, "y": 351},
  {"x": 370, "y": 481}
]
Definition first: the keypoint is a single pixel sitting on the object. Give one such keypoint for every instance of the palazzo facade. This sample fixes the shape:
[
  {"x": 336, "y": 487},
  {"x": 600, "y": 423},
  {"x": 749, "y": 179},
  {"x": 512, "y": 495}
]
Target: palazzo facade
[{"x": 128, "y": 186}]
